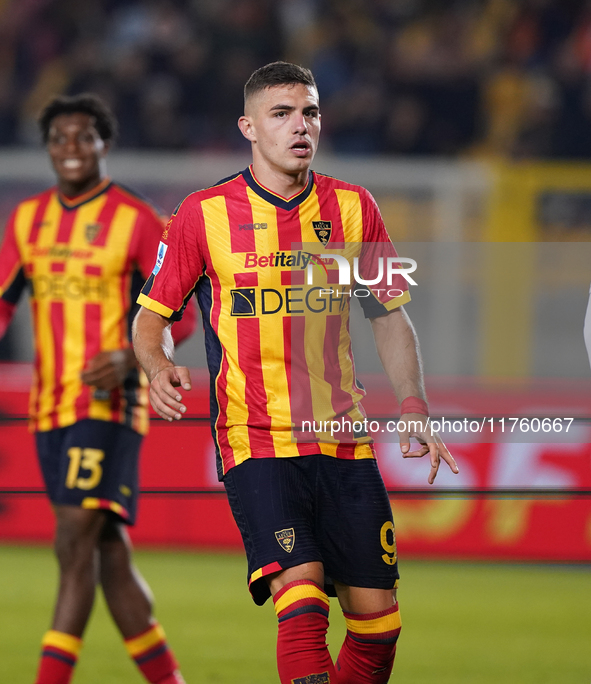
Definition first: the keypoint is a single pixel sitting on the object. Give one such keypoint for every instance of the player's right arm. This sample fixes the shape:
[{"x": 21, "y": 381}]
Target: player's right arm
[
  {"x": 12, "y": 279},
  {"x": 154, "y": 348}
]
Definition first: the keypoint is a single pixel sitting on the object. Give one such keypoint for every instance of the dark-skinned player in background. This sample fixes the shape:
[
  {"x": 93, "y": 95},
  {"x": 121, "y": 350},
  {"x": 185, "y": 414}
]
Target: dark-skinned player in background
[
  {"x": 314, "y": 514},
  {"x": 82, "y": 250}
]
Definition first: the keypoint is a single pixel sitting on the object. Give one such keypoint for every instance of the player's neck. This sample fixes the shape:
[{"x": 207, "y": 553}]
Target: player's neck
[
  {"x": 284, "y": 184},
  {"x": 72, "y": 189}
]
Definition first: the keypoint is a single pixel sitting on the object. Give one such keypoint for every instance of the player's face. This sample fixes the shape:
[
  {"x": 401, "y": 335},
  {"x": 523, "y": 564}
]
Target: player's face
[
  {"x": 283, "y": 123},
  {"x": 76, "y": 151}
]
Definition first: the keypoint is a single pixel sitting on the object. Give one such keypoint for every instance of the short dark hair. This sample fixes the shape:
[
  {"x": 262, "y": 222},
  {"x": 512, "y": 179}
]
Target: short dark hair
[
  {"x": 86, "y": 103},
  {"x": 278, "y": 74}
]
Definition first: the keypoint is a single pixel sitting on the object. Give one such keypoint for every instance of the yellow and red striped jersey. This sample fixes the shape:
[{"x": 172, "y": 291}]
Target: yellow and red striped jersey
[
  {"x": 83, "y": 261},
  {"x": 278, "y": 347}
]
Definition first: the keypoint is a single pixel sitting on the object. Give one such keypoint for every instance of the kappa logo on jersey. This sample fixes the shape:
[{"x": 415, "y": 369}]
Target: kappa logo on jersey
[
  {"x": 243, "y": 302},
  {"x": 313, "y": 679},
  {"x": 162, "y": 248},
  {"x": 323, "y": 229},
  {"x": 91, "y": 230},
  {"x": 252, "y": 226},
  {"x": 286, "y": 539}
]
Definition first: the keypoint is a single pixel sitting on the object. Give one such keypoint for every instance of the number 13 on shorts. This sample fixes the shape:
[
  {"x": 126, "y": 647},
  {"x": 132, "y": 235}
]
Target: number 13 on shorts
[{"x": 87, "y": 459}]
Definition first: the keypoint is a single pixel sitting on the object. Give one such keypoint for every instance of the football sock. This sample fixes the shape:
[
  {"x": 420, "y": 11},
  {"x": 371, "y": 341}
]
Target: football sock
[
  {"x": 153, "y": 657},
  {"x": 367, "y": 654},
  {"x": 59, "y": 653},
  {"x": 302, "y": 654}
]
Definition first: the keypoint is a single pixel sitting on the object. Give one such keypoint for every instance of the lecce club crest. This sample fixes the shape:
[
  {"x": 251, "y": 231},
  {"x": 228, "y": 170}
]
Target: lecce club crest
[
  {"x": 286, "y": 539},
  {"x": 323, "y": 229},
  {"x": 91, "y": 230}
]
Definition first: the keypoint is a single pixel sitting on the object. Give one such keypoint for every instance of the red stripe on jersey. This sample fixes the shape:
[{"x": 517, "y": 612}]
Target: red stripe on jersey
[
  {"x": 126, "y": 304},
  {"x": 57, "y": 325},
  {"x": 247, "y": 279},
  {"x": 289, "y": 229},
  {"x": 298, "y": 377},
  {"x": 293, "y": 277},
  {"x": 92, "y": 340},
  {"x": 93, "y": 270},
  {"x": 36, "y": 384},
  {"x": 105, "y": 219},
  {"x": 330, "y": 210},
  {"x": 64, "y": 232},
  {"x": 239, "y": 212},
  {"x": 341, "y": 400},
  {"x": 255, "y": 395},
  {"x": 58, "y": 267},
  {"x": 38, "y": 217}
]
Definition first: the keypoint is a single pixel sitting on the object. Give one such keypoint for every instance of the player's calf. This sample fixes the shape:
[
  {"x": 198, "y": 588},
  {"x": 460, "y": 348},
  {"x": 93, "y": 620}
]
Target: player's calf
[
  {"x": 367, "y": 655},
  {"x": 302, "y": 654}
]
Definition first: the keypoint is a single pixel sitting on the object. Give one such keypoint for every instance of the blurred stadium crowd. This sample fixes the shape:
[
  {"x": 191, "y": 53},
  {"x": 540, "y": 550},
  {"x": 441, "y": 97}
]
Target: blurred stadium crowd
[{"x": 412, "y": 77}]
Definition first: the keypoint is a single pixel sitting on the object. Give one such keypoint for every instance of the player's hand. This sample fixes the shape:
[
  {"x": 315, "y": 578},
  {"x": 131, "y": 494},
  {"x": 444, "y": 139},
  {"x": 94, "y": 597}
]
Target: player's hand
[
  {"x": 164, "y": 395},
  {"x": 416, "y": 426},
  {"x": 108, "y": 369}
]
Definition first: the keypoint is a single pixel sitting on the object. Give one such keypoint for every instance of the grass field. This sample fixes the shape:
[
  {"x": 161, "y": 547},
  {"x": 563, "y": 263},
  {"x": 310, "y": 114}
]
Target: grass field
[{"x": 462, "y": 623}]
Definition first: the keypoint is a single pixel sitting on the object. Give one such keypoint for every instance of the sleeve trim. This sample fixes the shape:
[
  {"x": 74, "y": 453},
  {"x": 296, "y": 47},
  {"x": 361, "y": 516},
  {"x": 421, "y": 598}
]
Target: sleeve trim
[{"x": 155, "y": 306}]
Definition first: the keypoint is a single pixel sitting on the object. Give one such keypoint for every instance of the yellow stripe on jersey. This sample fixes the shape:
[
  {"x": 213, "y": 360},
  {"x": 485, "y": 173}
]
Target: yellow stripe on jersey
[{"x": 225, "y": 264}]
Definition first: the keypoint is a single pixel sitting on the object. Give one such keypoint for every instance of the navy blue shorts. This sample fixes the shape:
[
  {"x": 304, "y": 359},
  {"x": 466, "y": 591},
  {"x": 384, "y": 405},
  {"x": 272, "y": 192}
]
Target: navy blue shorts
[
  {"x": 92, "y": 464},
  {"x": 314, "y": 508}
]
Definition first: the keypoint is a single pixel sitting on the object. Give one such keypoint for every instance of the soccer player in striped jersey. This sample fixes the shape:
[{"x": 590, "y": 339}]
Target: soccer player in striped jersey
[
  {"x": 83, "y": 249},
  {"x": 311, "y": 507}
]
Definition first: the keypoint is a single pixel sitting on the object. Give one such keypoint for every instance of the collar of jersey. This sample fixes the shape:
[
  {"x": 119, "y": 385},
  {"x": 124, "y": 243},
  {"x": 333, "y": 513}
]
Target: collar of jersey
[
  {"x": 275, "y": 199},
  {"x": 75, "y": 202}
]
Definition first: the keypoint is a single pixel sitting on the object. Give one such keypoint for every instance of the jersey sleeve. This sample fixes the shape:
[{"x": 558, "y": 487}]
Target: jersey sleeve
[
  {"x": 387, "y": 289},
  {"x": 147, "y": 233},
  {"x": 178, "y": 264},
  {"x": 12, "y": 276}
]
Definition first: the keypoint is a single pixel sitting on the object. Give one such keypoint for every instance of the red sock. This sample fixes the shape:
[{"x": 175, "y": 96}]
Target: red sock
[
  {"x": 59, "y": 654},
  {"x": 153, "y": 657},
  {"x": 367, "y": 656},
  {"x": 302, "y": 655}
]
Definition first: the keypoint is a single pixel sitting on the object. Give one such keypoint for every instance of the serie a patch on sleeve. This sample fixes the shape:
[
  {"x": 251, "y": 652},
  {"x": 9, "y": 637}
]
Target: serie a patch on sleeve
[{"x": 160, "y": 257}]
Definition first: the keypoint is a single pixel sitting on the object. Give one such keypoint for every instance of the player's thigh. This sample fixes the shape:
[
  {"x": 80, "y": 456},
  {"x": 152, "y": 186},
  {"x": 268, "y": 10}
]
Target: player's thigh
[
  {"x": 92, "y": 464},
  {"x": 272, "y": 501},
  {"x": 355, "y": 525},
  {"x": 77, "y": 533}
]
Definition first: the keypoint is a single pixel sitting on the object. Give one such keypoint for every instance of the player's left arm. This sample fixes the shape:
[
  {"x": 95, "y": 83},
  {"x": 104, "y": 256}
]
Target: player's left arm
[{"x": 398, "y": 349}]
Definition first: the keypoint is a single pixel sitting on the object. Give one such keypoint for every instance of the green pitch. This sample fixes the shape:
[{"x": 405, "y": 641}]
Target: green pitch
[{"x": 462, "y": 623}]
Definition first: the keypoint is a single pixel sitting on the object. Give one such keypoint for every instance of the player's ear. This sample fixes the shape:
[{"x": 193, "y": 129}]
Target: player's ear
[{"x": 246, "y": 127}]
